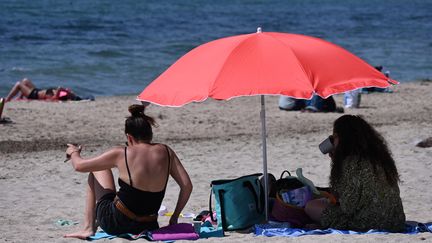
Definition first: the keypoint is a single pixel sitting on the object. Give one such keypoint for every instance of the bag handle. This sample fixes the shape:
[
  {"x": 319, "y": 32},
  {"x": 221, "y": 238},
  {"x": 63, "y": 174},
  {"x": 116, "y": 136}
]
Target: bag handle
[
  {"x": 283, "y": 172},
  {"x": 222, "y": 207},
  {"x": 258, "y": 205},
  {"x": 210, "y": 205}
]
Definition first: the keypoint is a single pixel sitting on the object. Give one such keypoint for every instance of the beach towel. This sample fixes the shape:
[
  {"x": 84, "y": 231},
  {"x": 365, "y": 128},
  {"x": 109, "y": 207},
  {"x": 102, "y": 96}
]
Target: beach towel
[
  {"x": 208, "y": 230},
  {"x": 182, "y": 231},
  {"x": 76, "y": 98},
  {"x": 103, "y": 235},
  {"x": 281, "y": 229}
]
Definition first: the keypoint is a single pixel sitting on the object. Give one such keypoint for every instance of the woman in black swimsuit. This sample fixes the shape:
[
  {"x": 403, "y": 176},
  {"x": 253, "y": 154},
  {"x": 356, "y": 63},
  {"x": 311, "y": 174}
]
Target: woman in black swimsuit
[
  {"x": 29, "y": 91},
  {"x": 143, "y": 168}
]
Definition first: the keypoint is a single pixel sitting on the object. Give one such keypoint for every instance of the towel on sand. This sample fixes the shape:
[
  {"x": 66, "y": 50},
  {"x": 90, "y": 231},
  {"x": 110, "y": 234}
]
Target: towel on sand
[{"x": 278, "y": 229}]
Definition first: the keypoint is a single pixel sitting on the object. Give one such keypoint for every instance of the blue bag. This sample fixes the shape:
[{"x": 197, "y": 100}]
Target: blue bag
[{"x": 239, "y": 202}]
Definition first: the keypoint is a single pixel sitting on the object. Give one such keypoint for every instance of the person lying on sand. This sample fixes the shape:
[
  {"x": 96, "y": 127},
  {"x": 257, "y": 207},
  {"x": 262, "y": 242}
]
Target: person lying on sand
[
  {"x": 26, "y": 89},
  {"x": 316, "y": 104},
  {"x": 143, "y": 168},
  {"x": 364, "y": 179}
]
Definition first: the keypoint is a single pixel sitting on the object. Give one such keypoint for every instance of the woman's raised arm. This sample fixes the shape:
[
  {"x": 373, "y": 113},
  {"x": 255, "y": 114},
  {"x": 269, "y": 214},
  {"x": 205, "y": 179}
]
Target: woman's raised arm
[{"x": 107, "y": 160}]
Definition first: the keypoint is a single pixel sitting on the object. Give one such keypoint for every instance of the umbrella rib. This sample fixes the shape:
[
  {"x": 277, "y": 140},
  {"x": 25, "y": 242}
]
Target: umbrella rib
[
  {"x": 241, "y": 43},
  {"x": 297, "y": 59}
]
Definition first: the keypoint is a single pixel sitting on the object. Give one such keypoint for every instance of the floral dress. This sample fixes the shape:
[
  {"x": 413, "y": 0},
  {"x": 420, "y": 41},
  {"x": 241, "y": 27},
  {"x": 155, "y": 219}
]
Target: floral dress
[{"x": 366, "y": 201}]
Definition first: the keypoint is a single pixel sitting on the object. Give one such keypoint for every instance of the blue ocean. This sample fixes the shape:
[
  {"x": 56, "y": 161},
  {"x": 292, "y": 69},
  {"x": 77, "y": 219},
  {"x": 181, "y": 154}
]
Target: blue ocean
[{"x": 106, "y": 48}]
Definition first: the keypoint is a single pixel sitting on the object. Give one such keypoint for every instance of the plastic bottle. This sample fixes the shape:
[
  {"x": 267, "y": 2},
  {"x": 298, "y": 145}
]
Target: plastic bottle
[
  {"x": 352, "y": 99},
  {"x": 306, "y": 181}
]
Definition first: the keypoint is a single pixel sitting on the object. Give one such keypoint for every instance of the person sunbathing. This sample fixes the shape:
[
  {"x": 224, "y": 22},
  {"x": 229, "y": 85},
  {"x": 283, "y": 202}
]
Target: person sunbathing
[
  {"x": 364, "y": 179},
  {"x": 26, "y": 89},
  {"x": 144, "y": 169}
]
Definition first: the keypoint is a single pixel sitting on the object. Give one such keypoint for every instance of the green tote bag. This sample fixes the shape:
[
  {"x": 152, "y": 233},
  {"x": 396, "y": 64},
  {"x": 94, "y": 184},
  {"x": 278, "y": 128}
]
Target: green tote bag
[{"x": 239, "y": 202}]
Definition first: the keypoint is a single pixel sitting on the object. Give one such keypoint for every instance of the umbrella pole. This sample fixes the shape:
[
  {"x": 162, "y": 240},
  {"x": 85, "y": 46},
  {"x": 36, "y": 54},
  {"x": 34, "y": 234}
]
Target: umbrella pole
[{"x": 264, "y": 151}]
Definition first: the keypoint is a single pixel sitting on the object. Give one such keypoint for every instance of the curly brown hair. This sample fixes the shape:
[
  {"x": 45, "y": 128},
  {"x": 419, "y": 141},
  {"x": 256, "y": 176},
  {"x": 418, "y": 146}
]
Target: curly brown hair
[{"x": 358, "y": 138}]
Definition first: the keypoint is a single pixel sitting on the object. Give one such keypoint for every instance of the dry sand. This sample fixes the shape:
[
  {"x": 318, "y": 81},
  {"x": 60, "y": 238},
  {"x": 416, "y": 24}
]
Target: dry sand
[{"x": 214, "y": 140}]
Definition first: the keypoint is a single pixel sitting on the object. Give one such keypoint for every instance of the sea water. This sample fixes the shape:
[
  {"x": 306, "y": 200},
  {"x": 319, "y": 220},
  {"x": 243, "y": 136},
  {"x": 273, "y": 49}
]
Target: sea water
[{"x": 119, "y": 47}]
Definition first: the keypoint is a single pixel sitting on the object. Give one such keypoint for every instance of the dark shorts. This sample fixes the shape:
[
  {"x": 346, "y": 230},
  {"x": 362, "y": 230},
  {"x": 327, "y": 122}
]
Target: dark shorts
[
  {"x": 113, "y": 222},
  {"x": 33, "y": 94}
]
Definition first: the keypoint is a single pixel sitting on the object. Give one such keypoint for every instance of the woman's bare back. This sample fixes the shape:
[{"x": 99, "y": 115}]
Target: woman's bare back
[{"x": 148, "y": 166}]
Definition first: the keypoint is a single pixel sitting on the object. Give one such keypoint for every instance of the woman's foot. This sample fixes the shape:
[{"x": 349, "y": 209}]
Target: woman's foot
[{"x": 83, "y": 234}]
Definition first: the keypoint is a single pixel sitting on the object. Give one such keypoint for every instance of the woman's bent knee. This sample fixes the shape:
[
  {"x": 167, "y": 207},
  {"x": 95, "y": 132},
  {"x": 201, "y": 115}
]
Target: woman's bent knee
[{"x": 315, "y": 208}]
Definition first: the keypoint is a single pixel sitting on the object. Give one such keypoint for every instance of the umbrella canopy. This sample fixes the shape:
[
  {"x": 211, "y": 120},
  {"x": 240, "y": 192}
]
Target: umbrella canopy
[{"x": 261, "y": 64}]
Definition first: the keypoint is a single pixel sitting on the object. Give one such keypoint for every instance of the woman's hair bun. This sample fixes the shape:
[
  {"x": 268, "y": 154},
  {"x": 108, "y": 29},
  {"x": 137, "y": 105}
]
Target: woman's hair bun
[{"x": 136, "y": 110}]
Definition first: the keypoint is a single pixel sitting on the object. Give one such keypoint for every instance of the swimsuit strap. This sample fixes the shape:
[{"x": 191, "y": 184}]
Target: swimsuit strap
[
  {"x": 168, "y": 172},
  {"x": 169, "y": 165},
  {"x": 127, "y": 166}
]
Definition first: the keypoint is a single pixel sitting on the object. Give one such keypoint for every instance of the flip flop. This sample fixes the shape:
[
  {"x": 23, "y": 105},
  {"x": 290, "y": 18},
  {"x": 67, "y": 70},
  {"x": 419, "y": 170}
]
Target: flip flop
[{"x": 5, "y": 120}]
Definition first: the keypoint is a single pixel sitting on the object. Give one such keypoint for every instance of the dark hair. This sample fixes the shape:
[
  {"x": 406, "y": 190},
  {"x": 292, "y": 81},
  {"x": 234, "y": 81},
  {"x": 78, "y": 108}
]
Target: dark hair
[
  {"x": 359, "y": 139},
  {"x": 139, "y": 125}
]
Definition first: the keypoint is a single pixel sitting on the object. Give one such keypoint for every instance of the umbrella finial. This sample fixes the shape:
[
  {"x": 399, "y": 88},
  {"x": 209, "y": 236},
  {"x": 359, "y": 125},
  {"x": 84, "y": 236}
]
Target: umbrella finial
[{"x": 259, "y": 30}]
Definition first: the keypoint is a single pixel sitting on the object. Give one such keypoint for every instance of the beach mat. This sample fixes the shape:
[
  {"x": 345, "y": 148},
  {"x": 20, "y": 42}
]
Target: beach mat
[{"x": 280, "y": 229}]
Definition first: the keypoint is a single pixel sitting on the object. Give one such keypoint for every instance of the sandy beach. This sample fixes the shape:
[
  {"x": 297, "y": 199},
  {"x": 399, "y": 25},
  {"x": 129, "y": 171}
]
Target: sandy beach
[{"x": 213, "y": 139}]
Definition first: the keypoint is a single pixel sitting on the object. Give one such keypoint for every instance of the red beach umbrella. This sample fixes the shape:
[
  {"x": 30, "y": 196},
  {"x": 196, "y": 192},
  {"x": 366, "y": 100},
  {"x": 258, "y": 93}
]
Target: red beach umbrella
[{"x": 262, "y": 63}]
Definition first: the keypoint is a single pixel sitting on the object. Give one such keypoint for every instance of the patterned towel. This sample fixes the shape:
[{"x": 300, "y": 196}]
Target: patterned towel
[{"x": 278, "y": 229}]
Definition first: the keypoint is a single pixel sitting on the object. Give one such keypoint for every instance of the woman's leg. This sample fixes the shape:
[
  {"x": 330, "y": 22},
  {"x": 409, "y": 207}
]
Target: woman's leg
[
  {"x": 15, "y": 89},
  {"x": 27, "y": 82},
  {"x": 314, "y": 208},
  {"x": 99, "y": 184},
  {"x": 24, "y": 86}
]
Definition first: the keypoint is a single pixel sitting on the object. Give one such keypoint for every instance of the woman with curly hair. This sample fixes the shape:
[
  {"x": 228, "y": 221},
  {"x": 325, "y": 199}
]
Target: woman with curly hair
[
  {"x": 144, "y": 168},
  {"x": 364, "y": 179}
]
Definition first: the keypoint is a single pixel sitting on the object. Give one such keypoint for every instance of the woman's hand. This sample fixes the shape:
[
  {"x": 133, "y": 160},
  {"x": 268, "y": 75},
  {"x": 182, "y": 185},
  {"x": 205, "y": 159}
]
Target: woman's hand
[
  {"x": 72, "y": 149},
  {"x": 173, "y": 220}
]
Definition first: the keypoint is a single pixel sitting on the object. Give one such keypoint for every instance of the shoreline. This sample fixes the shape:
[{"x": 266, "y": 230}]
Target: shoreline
[{"x": 213, "y": 139}]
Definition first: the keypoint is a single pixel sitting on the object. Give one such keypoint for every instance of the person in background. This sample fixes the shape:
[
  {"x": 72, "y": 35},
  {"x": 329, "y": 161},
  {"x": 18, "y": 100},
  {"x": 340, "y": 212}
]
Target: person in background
[
  {"x": 364, "y": 179},
  {"x": 26, "y": 89},
  {"x": 144, "y": 168},
  {"x": 376, "y": 89},
  {"x": 316, "y": 104}
]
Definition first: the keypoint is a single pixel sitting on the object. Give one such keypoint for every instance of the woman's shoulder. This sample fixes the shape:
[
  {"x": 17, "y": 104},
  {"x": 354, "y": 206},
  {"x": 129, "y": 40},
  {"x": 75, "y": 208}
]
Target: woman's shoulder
[
  {"x": 355, "y": 166},
  {"x": 116, "y": 150},
  {"x": 159, "y": 146},
  {"x": 356, "y": 161},
  {"x": 153, "y": 150}
]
